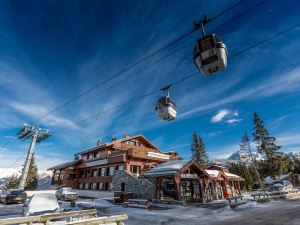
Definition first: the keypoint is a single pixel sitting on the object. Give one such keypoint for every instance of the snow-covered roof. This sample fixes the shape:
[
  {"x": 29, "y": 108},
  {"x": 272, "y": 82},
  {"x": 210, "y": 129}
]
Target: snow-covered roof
[
  {"x": 213, "y": 173},
  {"x": 232, "y": 176},
  {"x": 167, "y": 168}
]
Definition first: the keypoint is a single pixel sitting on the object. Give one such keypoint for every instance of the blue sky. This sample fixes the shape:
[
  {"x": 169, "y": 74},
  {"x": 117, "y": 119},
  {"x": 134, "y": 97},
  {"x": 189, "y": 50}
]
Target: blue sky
[{"x": 51, "y": 51}]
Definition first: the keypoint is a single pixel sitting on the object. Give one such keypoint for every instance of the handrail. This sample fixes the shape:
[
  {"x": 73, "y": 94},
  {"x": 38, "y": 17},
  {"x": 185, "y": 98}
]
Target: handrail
[
  {"x": 47, "y": 217},
  {"x": 100, "y": 220}
]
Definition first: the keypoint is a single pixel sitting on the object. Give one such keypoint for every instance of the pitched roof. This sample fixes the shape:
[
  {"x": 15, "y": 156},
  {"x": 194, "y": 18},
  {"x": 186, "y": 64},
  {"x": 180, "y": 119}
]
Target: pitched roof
[
  {"x": 64, "y": 165},
  {"x": 119, "y": 140},
  {"x": 167, "y": 168},
  {"x": 233, "y": 177},
  {"x": 172, "y": 168},
  {"x": 213, "y": 173}
]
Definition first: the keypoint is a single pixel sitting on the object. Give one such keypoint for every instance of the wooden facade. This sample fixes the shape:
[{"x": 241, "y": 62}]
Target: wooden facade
[
  {"x": 186, "y": 181},
  {"x": 93, "y": 169},
  {"x": 223, "y": 184},
  {"x": 180, "y": 180}
]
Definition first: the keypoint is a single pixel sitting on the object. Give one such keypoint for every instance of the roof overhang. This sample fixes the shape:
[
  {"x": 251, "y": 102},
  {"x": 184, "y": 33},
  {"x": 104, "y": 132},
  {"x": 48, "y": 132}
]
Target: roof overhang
[{"x": 64, "y": 165}]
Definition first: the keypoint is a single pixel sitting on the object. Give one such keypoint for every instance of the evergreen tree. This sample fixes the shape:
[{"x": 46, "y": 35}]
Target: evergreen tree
[
  {"x": 13, "y": 182},
  {"x": 32, "y": 177},
  {"x": 245, "y": 172},
  {"x": 276, "y": 163},
  {"x": 198, "y": 150},
  {"x": 265, "y": 143}
]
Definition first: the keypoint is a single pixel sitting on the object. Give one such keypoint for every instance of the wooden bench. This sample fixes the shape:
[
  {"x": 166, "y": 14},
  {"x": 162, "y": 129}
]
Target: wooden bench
[
  {"x": 236, "y": 202},
  {"x": 143, "y": 202}
]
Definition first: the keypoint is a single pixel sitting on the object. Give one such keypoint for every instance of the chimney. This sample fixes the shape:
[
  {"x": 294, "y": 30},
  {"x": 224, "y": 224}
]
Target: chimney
[
  {"x": 99, "y": 141},
  {"x": 126, "y": 136},
  {"x": 113, "y": 139}
]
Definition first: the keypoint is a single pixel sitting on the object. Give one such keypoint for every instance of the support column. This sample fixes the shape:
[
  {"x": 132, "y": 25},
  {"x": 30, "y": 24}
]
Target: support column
[
  {"x": 158, "y": 188},
  {"x": 27, "y": 162},
  {"x": 239, "y": 187},
  {"x": 232, "y": 188},
  {"x": 177, "y": 188}
]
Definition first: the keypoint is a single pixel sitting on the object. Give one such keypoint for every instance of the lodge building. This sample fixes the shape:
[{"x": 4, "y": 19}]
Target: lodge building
[
  {"x": 93, "y": 169},
  {"x": 135, "y": 165}
]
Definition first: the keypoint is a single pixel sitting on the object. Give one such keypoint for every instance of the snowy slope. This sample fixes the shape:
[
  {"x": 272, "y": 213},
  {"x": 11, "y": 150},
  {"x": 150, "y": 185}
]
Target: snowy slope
[
  {"x": 238, "y": 157},
  {"x": 44, "y": 180}
]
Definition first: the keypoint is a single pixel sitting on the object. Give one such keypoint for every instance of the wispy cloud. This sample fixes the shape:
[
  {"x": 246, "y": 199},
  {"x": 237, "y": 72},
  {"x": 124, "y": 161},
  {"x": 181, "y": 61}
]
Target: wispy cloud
[
  {"x": 220, "y": 115},
  {"x": 228, "y": 116}
]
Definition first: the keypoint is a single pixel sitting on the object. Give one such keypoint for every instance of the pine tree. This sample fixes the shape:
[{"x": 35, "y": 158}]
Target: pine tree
[
  {"x": 32, "y": 177},
  {"x": 275, "y": 163},
  {"x": 243, "y": 171},
  {"x": 198, "y": 150},
  {"x": 265, "y": 143},
  {"x": 13, "y": 181}
]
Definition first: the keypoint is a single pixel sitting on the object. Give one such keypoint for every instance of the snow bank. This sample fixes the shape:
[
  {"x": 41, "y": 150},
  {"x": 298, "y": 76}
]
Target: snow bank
[{"x": 42, "y": 202}]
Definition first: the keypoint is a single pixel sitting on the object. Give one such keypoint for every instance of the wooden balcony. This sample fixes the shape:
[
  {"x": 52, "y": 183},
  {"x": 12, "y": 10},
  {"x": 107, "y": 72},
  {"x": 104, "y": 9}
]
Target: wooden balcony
[{"x": 148, "y": 153}]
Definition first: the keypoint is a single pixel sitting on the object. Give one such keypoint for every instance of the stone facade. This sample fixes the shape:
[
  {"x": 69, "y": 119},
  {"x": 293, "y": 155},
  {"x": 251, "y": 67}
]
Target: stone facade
[{"x": 140, "y": 187}]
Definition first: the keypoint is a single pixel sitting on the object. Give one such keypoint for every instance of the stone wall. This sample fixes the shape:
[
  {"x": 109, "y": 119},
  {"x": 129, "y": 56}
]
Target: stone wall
[{"x": 140, "y": 187}]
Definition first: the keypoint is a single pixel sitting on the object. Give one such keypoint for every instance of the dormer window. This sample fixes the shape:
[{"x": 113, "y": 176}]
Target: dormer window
[{"x": 131, "y": 143}]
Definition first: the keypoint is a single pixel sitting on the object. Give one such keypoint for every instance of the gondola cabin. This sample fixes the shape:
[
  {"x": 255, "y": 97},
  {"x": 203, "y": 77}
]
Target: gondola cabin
[
  {"x": 210, "y": 54},
  {"x": 166, "y": 108}
]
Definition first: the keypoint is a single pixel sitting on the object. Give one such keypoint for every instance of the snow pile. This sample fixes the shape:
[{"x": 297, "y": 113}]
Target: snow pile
[{"x": 42, "y": 202}]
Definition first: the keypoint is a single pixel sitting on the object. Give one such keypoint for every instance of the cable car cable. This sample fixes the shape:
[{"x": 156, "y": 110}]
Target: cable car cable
[
  {"x": 134, "y": 64},
  {"x": 167, "y": 56},
  {"x": 184, "y": 78}
]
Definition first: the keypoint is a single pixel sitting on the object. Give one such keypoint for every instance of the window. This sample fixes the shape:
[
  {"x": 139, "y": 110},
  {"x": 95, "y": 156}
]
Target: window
[
  {"x": 71, "y": 177},
  {"x": 87, "y": 156},
  {"x": 87, "y": 173},
  {"x": 108, "y": 187},
  {"x": 81, "y": 186},
  {"x": 122, "y": 186},
  {"x": 111, "y": 171},
  {"x": 100, "y": 186},
  {"x": 94, "y": 186},
  {"x": 107, "y": 171},
  {"x": 94, "y": 172},
  {"x": 131, "y": 143},
  {"x": 101, "y": 172},
  {"x": 95, "y": 154},
  {"x": 135, "y": 169},
  {"x": 121, "y": 167},
  {"x": 86, "y": 186},
  {"x": 81, "y": 173}
]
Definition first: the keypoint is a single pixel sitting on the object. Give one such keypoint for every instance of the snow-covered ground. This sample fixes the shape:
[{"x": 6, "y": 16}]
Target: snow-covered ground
[{"x": 283, "y": 211}]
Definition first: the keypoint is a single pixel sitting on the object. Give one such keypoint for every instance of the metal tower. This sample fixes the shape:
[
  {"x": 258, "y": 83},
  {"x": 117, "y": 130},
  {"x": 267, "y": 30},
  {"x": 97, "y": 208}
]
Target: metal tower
[{"x": 36, "y": 134}]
